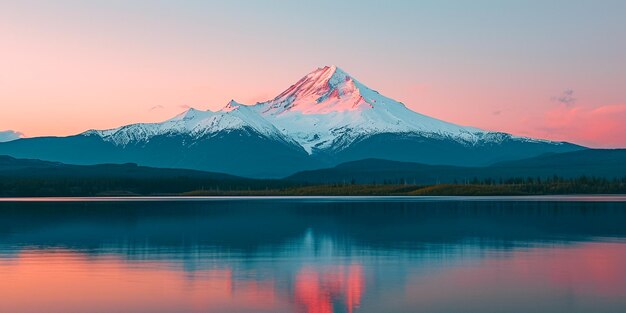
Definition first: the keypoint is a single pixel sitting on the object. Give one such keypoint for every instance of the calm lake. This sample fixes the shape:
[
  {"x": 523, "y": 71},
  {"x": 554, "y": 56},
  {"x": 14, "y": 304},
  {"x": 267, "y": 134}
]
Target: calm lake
[{"x": 314, "y": 255}]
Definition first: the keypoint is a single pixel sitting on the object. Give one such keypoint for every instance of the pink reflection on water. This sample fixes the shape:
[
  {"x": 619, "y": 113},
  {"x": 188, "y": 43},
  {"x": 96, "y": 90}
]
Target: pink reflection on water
[
  {"x": 600, "y": 269},
  {"x": 591, "y": 274},
  {"x": 67, "y": 281},
  {"x": 316, "y": 290},
  {"x": 547, "y": 275}
]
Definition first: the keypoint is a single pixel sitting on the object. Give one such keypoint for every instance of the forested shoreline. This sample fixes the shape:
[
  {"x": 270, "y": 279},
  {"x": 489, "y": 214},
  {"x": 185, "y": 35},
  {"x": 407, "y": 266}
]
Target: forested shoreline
[{"x": 185, "y": 186}]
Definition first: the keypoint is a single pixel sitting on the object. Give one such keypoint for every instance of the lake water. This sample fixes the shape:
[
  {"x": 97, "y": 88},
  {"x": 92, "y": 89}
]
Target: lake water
[{"x": 314, "y": 255}]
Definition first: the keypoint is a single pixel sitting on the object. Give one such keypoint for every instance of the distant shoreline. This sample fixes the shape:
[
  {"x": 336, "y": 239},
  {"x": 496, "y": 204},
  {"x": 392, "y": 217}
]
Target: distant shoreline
[
  {"x": 556, "y": 187},
  {"x": 544, "y": 198},
  {"x": 588, "y": 172}
]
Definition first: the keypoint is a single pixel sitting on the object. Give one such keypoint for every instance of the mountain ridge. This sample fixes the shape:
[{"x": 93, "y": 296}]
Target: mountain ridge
[
  {"x": 324, "y": 107},
  {"x": 328, "y": 117},
  {"x": 599, "y": 163},
  {"x": 585, "y": 171}
]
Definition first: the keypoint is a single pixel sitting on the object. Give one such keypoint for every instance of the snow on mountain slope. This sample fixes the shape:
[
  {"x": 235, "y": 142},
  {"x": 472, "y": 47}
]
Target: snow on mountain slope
[
  {"x": 329, "y": 109},
  {"x": 325, "y": 110},
  {"x": 196, "y": 124}
]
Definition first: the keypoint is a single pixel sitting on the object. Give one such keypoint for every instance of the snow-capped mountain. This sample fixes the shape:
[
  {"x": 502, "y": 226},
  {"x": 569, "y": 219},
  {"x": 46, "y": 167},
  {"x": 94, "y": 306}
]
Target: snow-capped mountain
[
  {"x": 325, "y": 118},
  {"x": 326, "y": 109}
]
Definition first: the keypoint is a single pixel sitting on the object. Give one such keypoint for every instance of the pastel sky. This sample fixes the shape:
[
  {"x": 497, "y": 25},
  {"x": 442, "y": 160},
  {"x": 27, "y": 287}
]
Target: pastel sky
[{"x": 549, "y": 69}]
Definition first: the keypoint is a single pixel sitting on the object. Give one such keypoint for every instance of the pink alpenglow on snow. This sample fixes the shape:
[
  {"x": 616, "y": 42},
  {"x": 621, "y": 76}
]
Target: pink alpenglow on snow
[{"x": 325, "y": 90}]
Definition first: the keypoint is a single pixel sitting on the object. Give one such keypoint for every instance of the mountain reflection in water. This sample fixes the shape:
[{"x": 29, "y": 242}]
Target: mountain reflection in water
[{"x": 313, "y": 256}]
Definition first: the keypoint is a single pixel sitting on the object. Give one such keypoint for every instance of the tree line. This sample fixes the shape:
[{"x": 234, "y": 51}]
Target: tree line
[{"x": 110, "y": 186}]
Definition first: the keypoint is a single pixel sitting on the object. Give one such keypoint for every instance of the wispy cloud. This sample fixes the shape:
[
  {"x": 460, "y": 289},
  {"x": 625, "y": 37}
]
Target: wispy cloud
[
  {"x": 9, "y": 135},
  {"x": 566, "y": 97},
  {"x": 157, "y": 107}
]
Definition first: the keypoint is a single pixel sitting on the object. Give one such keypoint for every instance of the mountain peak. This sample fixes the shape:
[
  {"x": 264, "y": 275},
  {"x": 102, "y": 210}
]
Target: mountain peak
[
  {"x": 330, "y": 69},
  {"x": 326, "y": 89},
  {"x": 190, "y": 113},
  {"x": 230, "y": 106},
  {"x": 327, "y": 75},
  {"x": 315, "y": 83}
]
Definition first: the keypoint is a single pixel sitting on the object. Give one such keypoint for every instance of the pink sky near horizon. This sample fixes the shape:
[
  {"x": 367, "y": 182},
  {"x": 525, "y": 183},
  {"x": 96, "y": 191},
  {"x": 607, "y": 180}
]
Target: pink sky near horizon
[{"x": 72, "y": 66}]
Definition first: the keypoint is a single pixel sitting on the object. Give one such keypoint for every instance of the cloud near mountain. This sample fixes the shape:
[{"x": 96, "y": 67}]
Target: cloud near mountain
[{"x": 9, "y": 135}]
